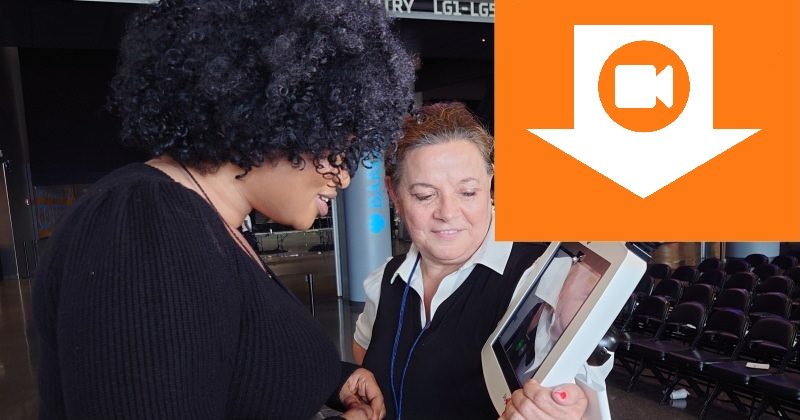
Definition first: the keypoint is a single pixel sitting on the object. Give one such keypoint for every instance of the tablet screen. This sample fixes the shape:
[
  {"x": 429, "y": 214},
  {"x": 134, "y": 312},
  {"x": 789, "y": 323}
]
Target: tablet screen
[{"x": 546, "y": 310}]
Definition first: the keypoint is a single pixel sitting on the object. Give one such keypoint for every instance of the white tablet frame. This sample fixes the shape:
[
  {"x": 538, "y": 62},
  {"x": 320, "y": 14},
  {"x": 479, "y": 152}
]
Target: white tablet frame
[{"x": 586, "y": 329}]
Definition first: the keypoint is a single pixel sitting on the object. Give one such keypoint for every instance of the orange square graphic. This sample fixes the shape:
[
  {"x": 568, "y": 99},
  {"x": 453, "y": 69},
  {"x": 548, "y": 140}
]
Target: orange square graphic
[{"x": 621, "y": 120}]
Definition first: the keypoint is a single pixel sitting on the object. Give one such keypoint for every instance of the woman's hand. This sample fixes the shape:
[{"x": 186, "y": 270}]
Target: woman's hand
[
  {"x": 362, "y": 396},
  {"x": 533, "y": 401},
  {"x": 362, "y": 412}
]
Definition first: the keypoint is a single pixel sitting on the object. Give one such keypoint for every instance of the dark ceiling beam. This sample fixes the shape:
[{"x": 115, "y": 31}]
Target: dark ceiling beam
[{"x": 62, "y": 24}]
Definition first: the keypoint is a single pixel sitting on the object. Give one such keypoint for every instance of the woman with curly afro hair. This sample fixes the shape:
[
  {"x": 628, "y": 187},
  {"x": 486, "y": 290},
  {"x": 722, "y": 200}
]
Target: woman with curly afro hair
[{"x": 148, "y": 302}]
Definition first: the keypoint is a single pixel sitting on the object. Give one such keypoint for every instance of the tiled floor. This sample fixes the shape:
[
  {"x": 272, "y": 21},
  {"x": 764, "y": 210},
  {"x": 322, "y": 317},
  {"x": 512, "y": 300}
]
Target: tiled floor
[{"x": 19, "y": 356}]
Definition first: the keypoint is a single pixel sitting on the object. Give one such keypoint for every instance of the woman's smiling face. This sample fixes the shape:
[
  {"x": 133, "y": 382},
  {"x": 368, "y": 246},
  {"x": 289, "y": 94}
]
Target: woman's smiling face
[{"x": 444, "y": 198}]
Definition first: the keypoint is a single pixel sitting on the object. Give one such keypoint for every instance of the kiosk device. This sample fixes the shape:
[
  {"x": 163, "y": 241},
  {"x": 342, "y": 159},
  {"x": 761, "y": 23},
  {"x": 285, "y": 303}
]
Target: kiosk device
[{"x": 559, "y": 314}]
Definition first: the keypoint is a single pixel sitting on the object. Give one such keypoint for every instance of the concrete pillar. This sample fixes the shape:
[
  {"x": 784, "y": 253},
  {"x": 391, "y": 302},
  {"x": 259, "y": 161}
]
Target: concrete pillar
[
  {"x": 367, "y": 226},
  {"x": 743, "y": 249}
]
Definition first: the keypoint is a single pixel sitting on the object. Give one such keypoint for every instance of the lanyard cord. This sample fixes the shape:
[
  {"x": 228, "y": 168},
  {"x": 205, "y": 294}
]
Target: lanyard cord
[{"x": 398, "y": 402}]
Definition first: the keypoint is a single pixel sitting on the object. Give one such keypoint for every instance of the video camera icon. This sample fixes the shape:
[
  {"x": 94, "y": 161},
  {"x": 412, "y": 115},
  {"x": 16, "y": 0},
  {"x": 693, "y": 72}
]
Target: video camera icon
[
  {"x": 643, "y": 86},
  {"x": 638, "y": 86}
]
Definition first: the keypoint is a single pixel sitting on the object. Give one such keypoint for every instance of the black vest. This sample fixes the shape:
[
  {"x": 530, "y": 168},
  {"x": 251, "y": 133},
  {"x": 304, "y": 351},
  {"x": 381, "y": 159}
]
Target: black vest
[{"x": 444, "y": 378}]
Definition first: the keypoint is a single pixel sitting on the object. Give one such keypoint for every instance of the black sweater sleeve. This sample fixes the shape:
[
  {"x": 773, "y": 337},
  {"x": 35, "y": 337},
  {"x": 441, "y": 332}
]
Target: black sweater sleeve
[
  {"x": 333, "y": 401},
  {"x": 141, "y": 296}
]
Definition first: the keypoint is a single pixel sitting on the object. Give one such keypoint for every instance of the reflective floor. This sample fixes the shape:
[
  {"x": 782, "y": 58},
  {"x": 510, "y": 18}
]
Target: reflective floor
[
  {"x": 18, "y": 352},
  {"x": 19, "y": 355}
]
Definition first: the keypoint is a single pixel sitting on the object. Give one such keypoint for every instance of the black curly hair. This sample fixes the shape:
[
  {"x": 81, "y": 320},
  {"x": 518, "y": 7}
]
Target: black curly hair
[{"x": 251, "y": 81}]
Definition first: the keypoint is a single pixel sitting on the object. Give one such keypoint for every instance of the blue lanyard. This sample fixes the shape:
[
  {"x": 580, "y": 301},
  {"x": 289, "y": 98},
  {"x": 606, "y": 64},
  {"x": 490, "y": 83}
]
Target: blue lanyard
[{"x": 398, "y": 402}]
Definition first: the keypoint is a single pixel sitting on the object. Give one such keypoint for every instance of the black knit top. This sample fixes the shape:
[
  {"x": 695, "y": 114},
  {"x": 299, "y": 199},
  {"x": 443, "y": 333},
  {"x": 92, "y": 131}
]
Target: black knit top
[{"x": 148, "y": 309}]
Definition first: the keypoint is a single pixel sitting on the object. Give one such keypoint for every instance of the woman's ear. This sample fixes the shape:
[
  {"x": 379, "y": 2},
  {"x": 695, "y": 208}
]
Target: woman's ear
[
  {"x": 491, "y": 189},
  {"x": 387, "y": 181}
]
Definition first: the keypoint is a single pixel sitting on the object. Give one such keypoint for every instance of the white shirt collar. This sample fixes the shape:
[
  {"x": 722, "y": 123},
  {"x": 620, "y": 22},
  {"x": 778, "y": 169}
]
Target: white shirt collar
[{"x": 491, "y": 254}]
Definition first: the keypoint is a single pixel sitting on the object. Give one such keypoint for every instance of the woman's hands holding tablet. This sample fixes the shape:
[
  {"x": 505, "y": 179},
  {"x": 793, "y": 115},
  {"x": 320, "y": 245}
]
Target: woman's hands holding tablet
[{"x": 534, "y": 401}]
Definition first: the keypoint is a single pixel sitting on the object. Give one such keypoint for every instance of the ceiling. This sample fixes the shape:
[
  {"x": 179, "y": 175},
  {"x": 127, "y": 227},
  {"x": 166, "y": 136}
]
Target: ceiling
[{"x": 99, "y": 25}]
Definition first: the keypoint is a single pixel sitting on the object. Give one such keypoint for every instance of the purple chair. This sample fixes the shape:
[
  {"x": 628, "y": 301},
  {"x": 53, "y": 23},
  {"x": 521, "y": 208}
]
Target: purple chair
[
  {"x": 700, "y": 293},
  {"x": 785, "y": 261},
  {"x": 768, "y": 341},
  {"x": 746, "y": 281},
  {"x": 776, "y": 284},
  {"x": 756, "y": 259},
  {"x": 709, "y": 264},
  {"x": 714, "y": 278},
  {"x": 687, "y": 274},
  {"x": 735, "y": 299},
  {"x": 659, "y": 271},
  {"x": 767, "y": 270},
  {"x": 770, "y": 305},
  {"x": 722, "y": 335},
  {"x": 736, "y": 266}
]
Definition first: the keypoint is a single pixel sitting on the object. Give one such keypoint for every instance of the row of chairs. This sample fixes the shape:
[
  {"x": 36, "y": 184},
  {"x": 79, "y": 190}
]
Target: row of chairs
[
  {"x": 749, "y": 263},
  {"x": 765, "y": 284},
  {"x": 758, "y": 264},
  {"x": 762, "y": 305},
  {"x": 690, "y": 274},
  {"x": 702, "y": 325},
  {"x": 746, "y": 281},
  {"x": 709, "y": 349}
]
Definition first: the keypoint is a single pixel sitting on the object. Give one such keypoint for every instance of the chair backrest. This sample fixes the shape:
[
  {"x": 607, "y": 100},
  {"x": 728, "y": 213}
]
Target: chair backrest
[
  {"x": 724, "y": 331},
  {"x": 709, "y": 264},
  {"x": 645, "y": 286},
  {"x": 794, "y": 315},
  {"x": 793, "y": 273},
  {"x": 746, "y": 281},
  {"x": 668, "y": 288},
  {"x": 769, "y": 339},
  {"x": 776, "y": 304},
  {"x": 736, "y": 299},
  {"x": 659, "y": 271},
  {"x": 756, "y": 259},
  {"x": 767, "y": 270},
  {"x": 776, "y": 284},
  {"x": 736, "y": 266},
  {"x": 700, "y": 293},
  {"x": 649, "y": 315},
  {"x": 685, "y": 322},
  {"x": 627, "y": 310},
  {"x": 715, "y": 278},
  {"x": 785, "y": 261},
  {"x": 686, "y": 273}
]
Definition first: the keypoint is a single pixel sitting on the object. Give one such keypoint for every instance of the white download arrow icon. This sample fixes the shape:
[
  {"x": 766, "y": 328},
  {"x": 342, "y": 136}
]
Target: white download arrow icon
[
  {"x": 643, "y": 162},
  {"x": 644, "y": 165}
]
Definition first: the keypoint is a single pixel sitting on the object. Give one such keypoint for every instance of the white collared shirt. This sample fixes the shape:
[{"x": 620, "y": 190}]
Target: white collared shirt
[{"x": 491, "y": 254}]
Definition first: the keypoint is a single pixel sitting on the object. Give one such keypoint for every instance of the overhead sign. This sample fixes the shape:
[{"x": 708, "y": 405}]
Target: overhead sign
[
  {"x": 454, "y": 10},
  {"x": 631, "y": 123}
]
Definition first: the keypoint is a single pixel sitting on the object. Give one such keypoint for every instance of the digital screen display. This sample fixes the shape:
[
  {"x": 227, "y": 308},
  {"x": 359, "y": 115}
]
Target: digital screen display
[{"x": 546, "y": 311}]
